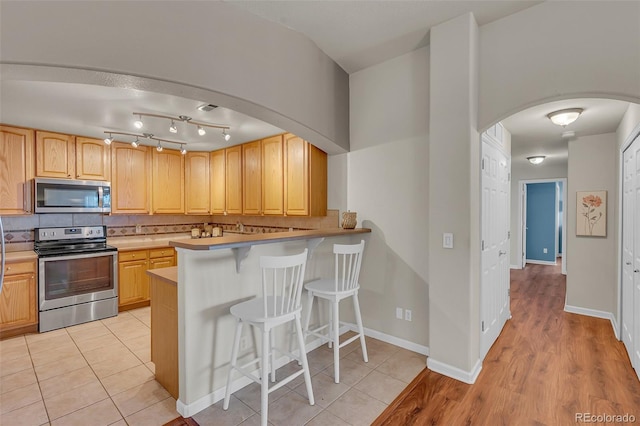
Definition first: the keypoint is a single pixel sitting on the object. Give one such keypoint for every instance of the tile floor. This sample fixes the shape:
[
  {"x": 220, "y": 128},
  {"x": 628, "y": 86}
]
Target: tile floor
[{"x": 100, "y": 373}]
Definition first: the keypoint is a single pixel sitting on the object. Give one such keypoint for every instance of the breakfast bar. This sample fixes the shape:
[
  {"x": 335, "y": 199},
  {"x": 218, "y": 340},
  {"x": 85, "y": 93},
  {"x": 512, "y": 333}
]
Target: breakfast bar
[{"x": 214, "y": 274}]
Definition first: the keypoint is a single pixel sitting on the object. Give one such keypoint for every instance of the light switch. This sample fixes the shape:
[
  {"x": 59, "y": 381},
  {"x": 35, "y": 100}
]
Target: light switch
[{"x": 447, "y": 240}]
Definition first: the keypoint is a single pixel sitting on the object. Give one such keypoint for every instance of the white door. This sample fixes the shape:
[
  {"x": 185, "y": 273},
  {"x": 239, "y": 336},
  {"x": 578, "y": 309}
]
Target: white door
[
  {"x": 628, "y": 185},
  {"x": 494, "y": 283},
  {"x": 635, "y": 147}
]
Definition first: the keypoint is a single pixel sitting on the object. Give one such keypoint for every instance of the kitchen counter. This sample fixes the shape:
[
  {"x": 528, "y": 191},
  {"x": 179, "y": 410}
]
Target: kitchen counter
[
  {"x": 145, "y": 241},
  {"x": 167, "y": 275},
  {"x": 243, "y": 240}
]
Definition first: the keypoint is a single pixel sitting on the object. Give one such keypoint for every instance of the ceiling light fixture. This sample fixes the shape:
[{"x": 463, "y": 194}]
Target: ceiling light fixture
[
  {"x": 138, "y": 123},
  {"x": 565, "y": 117},
  {"x": 150, "y": 136},
  {"x": 109, "y": 139},
  {"x": 536, "y": 159},
  {"x": 185, "y": 119}
]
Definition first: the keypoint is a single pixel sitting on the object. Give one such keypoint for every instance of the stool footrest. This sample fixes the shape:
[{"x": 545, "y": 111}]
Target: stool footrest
[
  {"x": 349, "y": 340},
  {"x": 285, "y": 380}
]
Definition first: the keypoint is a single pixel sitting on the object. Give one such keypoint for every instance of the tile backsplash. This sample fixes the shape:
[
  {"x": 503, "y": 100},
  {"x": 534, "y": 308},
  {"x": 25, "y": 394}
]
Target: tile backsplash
[{"x": 19, "y": 229}]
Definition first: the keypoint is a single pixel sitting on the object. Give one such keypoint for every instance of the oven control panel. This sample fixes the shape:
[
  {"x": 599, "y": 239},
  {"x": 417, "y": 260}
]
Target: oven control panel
[{"x": 70, "y": 233}]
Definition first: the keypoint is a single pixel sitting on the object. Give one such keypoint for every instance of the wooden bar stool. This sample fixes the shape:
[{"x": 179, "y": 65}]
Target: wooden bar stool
[
  {"x": 282, "y": 278},
  {"x": 343, "y": 285}
]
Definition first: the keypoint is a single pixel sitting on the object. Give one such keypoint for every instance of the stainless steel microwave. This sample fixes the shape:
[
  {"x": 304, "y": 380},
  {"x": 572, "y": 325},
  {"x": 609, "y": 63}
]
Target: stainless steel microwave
[{"x": 72, "y": 196}]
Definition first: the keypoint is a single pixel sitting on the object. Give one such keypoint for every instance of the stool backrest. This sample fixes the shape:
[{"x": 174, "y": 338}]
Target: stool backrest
[
  {"x": 282, "y": 280},
  {"x": 348, "y": 260}
]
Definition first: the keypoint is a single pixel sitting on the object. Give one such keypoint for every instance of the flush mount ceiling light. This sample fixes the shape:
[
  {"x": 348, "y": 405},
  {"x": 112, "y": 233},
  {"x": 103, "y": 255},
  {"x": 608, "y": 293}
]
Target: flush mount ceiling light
[
  {"x": 185, "y": 119},
  {"x": 136, "y": 142},
  {"x": 565, "y": 117},
  {"x": 536, "y": 159}
]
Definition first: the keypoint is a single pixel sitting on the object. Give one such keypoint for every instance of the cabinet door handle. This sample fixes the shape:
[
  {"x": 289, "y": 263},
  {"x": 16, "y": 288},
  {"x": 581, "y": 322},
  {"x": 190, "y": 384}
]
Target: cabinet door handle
[{"x": 636, "y": 270}]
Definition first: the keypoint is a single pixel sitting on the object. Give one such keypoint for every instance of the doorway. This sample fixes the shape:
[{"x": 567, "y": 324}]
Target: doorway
[{"x": 542, "y": 230}]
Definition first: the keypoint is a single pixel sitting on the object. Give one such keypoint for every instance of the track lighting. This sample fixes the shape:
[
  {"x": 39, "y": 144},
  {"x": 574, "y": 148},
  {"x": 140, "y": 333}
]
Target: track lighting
[
  {"x": 226, "y": 135},
  {"x": 159, "y": 147},
  {"x": 109, "y": 139},
  {"x": 138, "y": 123},
  {"x": 201, "y": 131},
  {"x": 183, "y": 150},
  {"x": 135, "y": 143},
  {"x": 150, "y": 136},
  {"x": 173, "y": 128}
]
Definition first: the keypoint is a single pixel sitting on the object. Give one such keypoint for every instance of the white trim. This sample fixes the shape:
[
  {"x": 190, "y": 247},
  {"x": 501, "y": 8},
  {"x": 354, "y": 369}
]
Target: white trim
[
  {"x": 468, "y": 377},
  {"x": 542, "y": 262},
  {"x": 515, "y": 267},
  {"x": 396, "y": 341},
  {"x": 594, "y": 313}
]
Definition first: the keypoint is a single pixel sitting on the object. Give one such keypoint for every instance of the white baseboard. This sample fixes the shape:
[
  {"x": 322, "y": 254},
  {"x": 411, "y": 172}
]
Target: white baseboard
[
  {"x": 594, "y": 313},
  {"x": 406, "y": 344},
  {"x": 515, "y": 267},
  {"x": 542, "y": 262},
  {"x": 468, "y": 377}
]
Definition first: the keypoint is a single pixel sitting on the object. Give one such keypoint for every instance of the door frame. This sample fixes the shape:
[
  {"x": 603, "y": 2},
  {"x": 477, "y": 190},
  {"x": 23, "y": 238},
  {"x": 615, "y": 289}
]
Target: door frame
[{"x": 522, "y": 218}]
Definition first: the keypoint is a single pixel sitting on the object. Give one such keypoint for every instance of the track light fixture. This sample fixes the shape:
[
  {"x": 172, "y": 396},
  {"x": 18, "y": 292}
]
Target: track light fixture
[
  {"x": 138, "y": 123},
  {"x": 159, "y": 147},
  {"x": 109, "y": 139},
  {"x": 185, "y": 119},
  {"x": 136, "y": 142},
  {"x": 183, "y": 150}
]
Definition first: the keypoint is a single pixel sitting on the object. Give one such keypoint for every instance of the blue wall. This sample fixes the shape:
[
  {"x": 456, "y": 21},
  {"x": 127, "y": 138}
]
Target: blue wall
[
  {"x": 541, "y": 221},
  {"x": 560, "y": 224}
]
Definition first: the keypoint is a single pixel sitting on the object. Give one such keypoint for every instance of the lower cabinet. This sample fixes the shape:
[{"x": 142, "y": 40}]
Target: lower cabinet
[
  {"x": 133, "y": 283},
  {"x": 18, "y": 300}
]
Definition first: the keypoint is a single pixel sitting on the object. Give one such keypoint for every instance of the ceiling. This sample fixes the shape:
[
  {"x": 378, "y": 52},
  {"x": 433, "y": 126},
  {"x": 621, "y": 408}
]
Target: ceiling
[{"x": 355, "y": 34}]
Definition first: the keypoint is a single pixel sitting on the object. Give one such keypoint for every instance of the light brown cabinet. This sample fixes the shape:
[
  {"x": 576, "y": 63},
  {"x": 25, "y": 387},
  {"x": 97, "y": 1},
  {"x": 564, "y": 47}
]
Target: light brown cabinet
[
  {"x": 252, "y": 178},
  {"x": 197, "y": 183},
  {"x": 55, "y": 155},
  {"x": 305, "y": 178},
  {"x": 272, "y": 176},
  {"x": 218, "y": 162},
  {"x": 233, "y": 180},
  {"x": 168, "y": 181},
  {"x": 16, "y": 170},
  {"x": 18, "y": 309},
  {"x": 133, "y": 282},
  {"x": 130, "y": 178},
  {"x": 93, "y": 159}
]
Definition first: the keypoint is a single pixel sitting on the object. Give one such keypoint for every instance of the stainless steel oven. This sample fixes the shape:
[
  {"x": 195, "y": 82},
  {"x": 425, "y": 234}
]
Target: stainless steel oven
[{"x": 77, "y": 276}]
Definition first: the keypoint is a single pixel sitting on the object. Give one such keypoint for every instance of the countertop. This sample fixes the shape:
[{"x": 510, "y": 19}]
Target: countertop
[
  {"x": 145, "y": 241},
  {"x": 169, "y": 275},
  {"x": 243, "y": 240}
]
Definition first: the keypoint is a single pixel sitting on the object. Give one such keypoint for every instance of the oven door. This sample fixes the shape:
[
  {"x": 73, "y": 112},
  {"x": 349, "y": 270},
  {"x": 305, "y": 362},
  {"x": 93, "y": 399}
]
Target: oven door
[{"x": 77, "y": 278}]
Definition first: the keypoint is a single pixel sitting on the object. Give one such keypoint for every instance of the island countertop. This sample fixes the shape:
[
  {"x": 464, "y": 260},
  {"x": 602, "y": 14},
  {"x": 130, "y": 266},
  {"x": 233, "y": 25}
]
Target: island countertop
[{"x": 243, "y": 240}]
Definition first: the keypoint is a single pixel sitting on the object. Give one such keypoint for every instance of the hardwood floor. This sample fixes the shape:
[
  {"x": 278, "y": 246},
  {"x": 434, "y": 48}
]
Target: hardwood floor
[{"x": 546, "y": 368}]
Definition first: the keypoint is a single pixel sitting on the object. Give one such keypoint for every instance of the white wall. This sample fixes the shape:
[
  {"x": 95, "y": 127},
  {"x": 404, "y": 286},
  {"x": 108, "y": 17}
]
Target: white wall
[
  {"x": 591, "y": 261},
  {"x": 387, "y": 187}
]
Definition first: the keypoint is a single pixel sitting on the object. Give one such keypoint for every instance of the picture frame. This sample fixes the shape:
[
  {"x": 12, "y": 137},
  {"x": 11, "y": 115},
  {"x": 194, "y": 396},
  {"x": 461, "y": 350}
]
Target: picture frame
[{"x": 591, "y": 213}]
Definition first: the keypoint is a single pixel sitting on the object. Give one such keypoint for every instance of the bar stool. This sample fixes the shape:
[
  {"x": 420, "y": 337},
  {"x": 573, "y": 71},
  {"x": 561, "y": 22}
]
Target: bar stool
[
  {"x": 344, "y": 285},
  {"x": 282, "y": 278}
]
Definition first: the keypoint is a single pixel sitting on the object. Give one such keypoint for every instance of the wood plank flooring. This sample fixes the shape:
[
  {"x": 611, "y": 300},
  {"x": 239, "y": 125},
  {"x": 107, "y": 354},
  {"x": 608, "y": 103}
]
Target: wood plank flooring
[{"x": 545, "y": 368}]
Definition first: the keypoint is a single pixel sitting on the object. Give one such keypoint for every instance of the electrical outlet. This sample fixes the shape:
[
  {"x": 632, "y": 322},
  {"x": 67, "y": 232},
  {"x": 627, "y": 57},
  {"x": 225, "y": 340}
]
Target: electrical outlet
[
  {"x": 138, "y": 229},
  {"x": 399, "y": 313},
  {"x": 544, "y": 250},
  {"x": 407, "y": 314}
]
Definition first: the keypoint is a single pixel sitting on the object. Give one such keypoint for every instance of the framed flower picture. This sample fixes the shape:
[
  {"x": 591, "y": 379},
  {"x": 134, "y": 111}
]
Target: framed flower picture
[{"x": 591, "y": 212}]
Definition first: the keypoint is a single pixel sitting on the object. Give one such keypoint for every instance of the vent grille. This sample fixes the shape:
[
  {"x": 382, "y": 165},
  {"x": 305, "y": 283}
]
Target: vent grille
[{"x": 207, "y": 107}]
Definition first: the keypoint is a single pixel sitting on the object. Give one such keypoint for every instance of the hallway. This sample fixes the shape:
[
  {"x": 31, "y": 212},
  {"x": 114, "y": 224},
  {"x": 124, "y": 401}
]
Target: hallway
[{"x": 548, "y": 367}]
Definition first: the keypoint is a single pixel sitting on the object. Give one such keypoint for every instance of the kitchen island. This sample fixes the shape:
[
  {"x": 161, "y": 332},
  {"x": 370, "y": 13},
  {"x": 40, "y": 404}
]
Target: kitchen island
[{"x": 216, "y": 273}]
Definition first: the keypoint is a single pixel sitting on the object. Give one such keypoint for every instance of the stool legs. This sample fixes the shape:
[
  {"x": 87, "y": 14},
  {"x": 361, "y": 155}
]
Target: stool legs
[
  {"x": 264, "y": 380},
  {"x": 305, "y": 363},
  {"x": 335, "y": 330},
  {"x": 234, "y": 359},
  {"x": 356, "y": 308}
]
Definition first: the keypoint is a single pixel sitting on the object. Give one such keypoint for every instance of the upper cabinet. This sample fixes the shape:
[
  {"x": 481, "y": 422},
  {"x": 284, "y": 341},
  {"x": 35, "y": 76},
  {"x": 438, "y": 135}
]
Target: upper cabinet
[
  {"x": 305, "y": 178},
  {"x": 233, "y": 180},
  {"x": 130, "y": 170},
  {"x": 197, "y": 184},
  {"x": 217, "y": 170},
  {"x": 70, "y": 157},
  {"x": 272, "y": 176},
  {"x": 252, "y": 178},
  {"x": 93, "y": 159},
  {"x": 16, "y": 170},
  {"x": 55, "y": 155},
  {"x": 168, "y": 181}
]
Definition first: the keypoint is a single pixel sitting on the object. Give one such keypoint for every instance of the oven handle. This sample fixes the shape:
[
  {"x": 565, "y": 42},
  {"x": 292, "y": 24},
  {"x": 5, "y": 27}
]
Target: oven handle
[{"x": 113, "y": 253}]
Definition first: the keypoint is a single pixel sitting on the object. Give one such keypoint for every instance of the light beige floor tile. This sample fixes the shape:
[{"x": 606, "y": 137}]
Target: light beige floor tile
[
  {"x": 151, "y": 366},
  {"x": 325, "y": 391},
  {"x": 381, "y": 386},
  {"x": 98, "y": 342},
  {"x": 325, "y": 418},
  {"x": 63, "y": 351},
  {"x": 139, "y": 342},
  {"x": 101, "y": 413},
  {"x": 107, "y": 368},
  {"x": 216, "y": 415},
  {"x": 289, "y": 369},
  {"x": 67, "y": 381},
  {"x": 53, "y": 369},
  {"x": 250, "y": 395},
  {"x": 135, "y": 399},
  {"x": 36, "y": 337},
  {"x": 89, "y": 330},
  {"x": 14, "y": 365},
  {"x": 357, "y": 408},
  {"x": 120, "y": 318},
  {"x": 403, "y": 365},
  {"x": 319, "y": 359},
  {"x": 51, "y": 344},
  {"x": 121, "y": 423},
  {"x": 108, "y": 353},
  {"x": 83, "y": 396},
  {"x": 292, "y": 406},
  {"x": 158, "y": 414},
  {"x": 17, "y": 380},
  {"x": 32, "y": 414},
  {"x": 254, "y": 420},
  {"x": 13, "y": 342},
  {"x": 129, "y": 331},
  {"x": 127, "y": 379},
  {"x": 378, "y": 352},
  {"x": 19, "y": 398},
  {"x": 350, "y": 372},
  {"x": 13, "y": 348}
]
